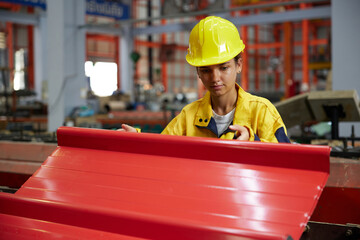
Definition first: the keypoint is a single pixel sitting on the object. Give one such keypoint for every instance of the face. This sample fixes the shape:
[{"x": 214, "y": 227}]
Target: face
[{"x": 220, "y": 79}]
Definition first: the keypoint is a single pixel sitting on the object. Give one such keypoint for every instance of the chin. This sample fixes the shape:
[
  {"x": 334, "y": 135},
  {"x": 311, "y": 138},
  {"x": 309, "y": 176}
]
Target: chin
[{"x": 217, "y": 93}]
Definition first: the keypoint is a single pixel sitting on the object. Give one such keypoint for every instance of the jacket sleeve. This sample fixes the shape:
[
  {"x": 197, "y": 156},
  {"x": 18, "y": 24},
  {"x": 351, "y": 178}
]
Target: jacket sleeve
[
  {"x": 177, "y": 125},
  {"x": 270, "y": 127}
]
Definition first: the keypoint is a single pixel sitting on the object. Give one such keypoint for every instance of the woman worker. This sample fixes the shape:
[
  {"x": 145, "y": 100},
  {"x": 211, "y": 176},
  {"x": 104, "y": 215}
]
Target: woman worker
[{"x": 226, "y": 111}]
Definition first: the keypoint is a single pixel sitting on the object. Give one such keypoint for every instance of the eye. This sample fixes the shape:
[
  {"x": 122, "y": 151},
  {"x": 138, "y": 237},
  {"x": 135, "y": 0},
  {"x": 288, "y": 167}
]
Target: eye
[
  {"x": 204, "y": 70},
  {"x": 224, "y": 68}
]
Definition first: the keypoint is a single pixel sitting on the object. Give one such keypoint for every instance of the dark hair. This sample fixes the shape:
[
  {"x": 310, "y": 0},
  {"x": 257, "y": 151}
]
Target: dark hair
[{"x": 237, "y": 57}]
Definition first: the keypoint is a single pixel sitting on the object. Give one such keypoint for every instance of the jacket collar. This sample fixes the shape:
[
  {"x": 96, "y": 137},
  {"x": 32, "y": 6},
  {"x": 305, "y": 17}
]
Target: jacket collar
[
  {"x": 204, "y": 112},
  {"x": 242, "y": 114}
]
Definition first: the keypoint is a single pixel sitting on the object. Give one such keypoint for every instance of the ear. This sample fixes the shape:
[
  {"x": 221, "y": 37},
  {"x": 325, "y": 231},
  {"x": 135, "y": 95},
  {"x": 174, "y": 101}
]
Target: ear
[{"x": 239, "y": 65}]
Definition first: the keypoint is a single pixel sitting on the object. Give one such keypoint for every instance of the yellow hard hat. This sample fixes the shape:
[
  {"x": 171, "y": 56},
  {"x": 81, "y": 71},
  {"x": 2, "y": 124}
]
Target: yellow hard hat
[{"x": 213, "y": 40}]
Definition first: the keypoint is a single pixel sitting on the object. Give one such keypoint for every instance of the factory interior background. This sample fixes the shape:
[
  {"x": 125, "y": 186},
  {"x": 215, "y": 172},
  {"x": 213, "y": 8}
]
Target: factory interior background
[{"x": 96, "y": 64}]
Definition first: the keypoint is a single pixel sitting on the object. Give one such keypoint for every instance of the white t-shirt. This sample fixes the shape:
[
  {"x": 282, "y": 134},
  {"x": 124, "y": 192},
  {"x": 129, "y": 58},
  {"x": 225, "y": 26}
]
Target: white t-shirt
[{"x": 223, "y": 121}]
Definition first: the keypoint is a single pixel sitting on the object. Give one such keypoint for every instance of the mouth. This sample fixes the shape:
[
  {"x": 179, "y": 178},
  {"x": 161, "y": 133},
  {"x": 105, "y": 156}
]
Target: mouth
[{"x": 216, "y": 87}]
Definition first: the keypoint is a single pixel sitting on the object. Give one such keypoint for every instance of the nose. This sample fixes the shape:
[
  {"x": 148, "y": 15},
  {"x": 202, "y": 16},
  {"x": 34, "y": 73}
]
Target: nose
[{"x": 216, "y": 75}]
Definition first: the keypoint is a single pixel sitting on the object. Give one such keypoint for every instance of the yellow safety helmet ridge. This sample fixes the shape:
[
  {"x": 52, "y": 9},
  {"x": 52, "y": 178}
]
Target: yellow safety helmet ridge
[{"x": 213, "y": 40}]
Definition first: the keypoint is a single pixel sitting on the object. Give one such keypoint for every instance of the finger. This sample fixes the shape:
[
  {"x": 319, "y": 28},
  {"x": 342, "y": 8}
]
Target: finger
[
  {"x": 128, "y": 128},
  {"x": 125, "y": 127},
  {"x": 241, "y": 133},
  {"x": 234, "y": 129},
  {"x": 244, "y": 134},
  {"x": 243, "y": 137}
]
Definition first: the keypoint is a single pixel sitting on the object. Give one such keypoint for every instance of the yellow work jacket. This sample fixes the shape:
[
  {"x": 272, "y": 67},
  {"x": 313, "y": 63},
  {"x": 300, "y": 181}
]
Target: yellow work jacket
[{"x": 258, "y": 114}]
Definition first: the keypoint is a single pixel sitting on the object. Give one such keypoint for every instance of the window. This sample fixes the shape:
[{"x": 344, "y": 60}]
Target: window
[
  {"x": 19, "y": 76},
  {"x": 103, "y": 77}
]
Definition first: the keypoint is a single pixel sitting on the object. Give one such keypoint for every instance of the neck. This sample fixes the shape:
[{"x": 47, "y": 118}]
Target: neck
[{"x": 224, "y": 104}]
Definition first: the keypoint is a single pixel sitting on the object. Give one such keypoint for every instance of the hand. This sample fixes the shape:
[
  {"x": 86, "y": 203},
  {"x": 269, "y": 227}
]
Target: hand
[
  {"x": 241, "y": 132},
  {"x": 126, "y": 128}
]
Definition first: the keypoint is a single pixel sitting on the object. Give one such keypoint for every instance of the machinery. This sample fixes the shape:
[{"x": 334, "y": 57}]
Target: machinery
[{"x": 324, "y": 106}]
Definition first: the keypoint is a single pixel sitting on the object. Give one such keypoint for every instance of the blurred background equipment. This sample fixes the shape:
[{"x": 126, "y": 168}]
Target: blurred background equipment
[
  {"x": 171, "y": 7},
  {"x": 317, "y": 116}
]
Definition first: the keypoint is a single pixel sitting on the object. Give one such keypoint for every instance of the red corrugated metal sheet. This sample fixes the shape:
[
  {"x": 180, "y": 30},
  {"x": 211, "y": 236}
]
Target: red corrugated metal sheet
[{"x": 128, "y": 185}]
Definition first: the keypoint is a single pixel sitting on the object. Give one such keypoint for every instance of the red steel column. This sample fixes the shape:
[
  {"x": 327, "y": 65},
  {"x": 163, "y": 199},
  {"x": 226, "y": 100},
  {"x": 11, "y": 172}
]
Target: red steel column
[
  {"x": 10, "y": 45},
  {"x": 164, "y": 64},
  {"x": 257, "y": 59},
  {"x": 277, "y": 54},
  {"x": 30, "y": 30},
  {"x": 245, "y": 68},
  {"x": 313, "y": 30},
  {"x": 288, "y": 59},
  {"x": 305, "y": 56},
  {"x": 117, "y": 60}
]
